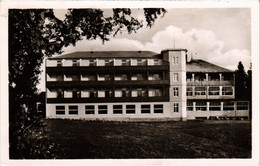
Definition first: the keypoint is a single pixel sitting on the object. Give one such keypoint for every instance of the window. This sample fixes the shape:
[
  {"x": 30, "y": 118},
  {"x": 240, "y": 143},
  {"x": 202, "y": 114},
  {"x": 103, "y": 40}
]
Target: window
[
  {"x": 175, "y": 91},
  {"x": 75, "y": 63},
  {"x": 213, "y": 91},
  {"x": 91, "y": 62},
  {"x": 176, "y": 107},
  {"x": 59, "y": 77},
  {"x": 72, "y": 77},
  {"x": 156, "y": 77},
  {"x": 125, "y": 93},
  {"x": 200, "y": 91},
  {"x": 158, "y": 92},
  {"x": 139, "y": 76},
  {"x": 102, "y": 109},
  {"x": 154, "y": 92},
  {"x": 139, "y": 62},
  {"x": 86, "y": 77},
  {"x": 73, "y": 110},
  {"x": 107, "y": 77},
  {"x": 124, "y": 62},
  {"x": 156, "y": 62},
  {"x": 228, "y": 106},
  {"x": 60, "y": 94},
  {"x": 189, "y": 91},
  {"x": 60, "y": 110},
  {"x": 89, "y": 109},
  {"x": 92, "y": 78},
  {"x": 242, "y": 105},
  {"x": 226, "y": 91},
  {"x": 175, "y": 60},
  {"x": 117, "y": 109},
  {"x": 76, "y": 94},
  {"x": 130, "y": 109},
  {"x": 201, "y": 106},
  {"x": 75, "y": 77},
  {"x": 108, "y": 93},
  {"x": 214, "y": 106},
  {"x": 158, "y": 109},
  {"x": 102, "y": 77},
  {"x": 120, "y": 77},
  {"x": 107, "y": 62},
  {"x": 59, "y": 63},
  {"x": 145, "y": 109},
  {"x": 92, "y": 93},
  {"x": 141, "y": 93},
  {"x": 175, "y": 77},
  {"x": 189, "y": 106}
]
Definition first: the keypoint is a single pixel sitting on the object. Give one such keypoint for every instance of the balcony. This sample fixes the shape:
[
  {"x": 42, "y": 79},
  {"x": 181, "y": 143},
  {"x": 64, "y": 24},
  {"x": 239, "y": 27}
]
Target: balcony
[
  {"x": 91, "y": 69},
  {"x": 210, "y": 83},
  {"x": 93, "y": 84},
  {"x": 108, "y": 100}
]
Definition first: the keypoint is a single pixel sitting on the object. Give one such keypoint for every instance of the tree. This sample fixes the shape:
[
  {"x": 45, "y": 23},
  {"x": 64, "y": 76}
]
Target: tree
[
  {"x": 240, "y": 82},
  {"x": 35, "y": 34},
  {"x": 249, "y": 90}
]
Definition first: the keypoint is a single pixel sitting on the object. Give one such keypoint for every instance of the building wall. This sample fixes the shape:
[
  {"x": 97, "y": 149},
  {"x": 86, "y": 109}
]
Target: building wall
[{"x": 168, "y": 112}]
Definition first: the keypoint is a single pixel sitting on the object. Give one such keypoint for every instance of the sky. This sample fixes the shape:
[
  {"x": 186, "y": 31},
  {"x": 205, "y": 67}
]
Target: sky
[{"x": 218, "y": 35}]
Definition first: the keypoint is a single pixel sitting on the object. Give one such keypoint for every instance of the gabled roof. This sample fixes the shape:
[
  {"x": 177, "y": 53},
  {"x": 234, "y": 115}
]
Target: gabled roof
[
  {"x": 108, "y": 54},
  {"x": 198, "y": 65}
]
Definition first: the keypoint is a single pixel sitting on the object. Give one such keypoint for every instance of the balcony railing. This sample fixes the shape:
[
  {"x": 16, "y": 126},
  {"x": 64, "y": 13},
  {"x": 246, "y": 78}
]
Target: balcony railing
[
  {"x": 90, "y": 69},
  {"x": 108, "y": 100},
  {"x": 210, "y": 83},
  {"x": 65, "y": 84}
]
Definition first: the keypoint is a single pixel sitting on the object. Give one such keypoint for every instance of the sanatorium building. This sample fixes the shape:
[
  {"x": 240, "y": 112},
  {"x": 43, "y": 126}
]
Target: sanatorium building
[{"x": 139, "y": 85}]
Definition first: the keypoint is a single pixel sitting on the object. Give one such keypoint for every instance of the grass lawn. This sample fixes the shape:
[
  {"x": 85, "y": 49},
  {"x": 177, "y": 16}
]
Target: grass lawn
[{"x": 115, "y": 140}]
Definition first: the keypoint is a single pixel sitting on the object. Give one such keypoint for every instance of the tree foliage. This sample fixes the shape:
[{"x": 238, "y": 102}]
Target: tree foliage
[
  {"x": 35, "y": 34},
  {"x": 243, "y": 83}
]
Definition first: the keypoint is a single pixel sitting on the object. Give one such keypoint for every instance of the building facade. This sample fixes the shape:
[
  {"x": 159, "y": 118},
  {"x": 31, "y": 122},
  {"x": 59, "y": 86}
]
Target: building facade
[{"x": 139, "y": 85}]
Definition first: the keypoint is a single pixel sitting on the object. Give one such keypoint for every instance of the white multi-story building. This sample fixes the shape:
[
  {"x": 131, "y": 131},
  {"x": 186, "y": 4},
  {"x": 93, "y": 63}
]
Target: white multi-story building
[{"x": 139, "y": 85}]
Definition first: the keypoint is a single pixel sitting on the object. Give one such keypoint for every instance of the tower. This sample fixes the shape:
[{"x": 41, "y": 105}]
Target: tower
[{"x": 177, "y": 75}]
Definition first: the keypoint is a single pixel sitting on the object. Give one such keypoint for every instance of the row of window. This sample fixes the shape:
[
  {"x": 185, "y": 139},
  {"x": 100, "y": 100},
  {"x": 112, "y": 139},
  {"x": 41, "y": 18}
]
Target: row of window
[
  {"x": 216, "y": 106},
  {"x": 105, "y": 77},
  {"x": 212, "y": 91},
  {"x": 117, "y": 109},
  {"x": 109, "y": 93},
  {"x": 111, "y": 62}
]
